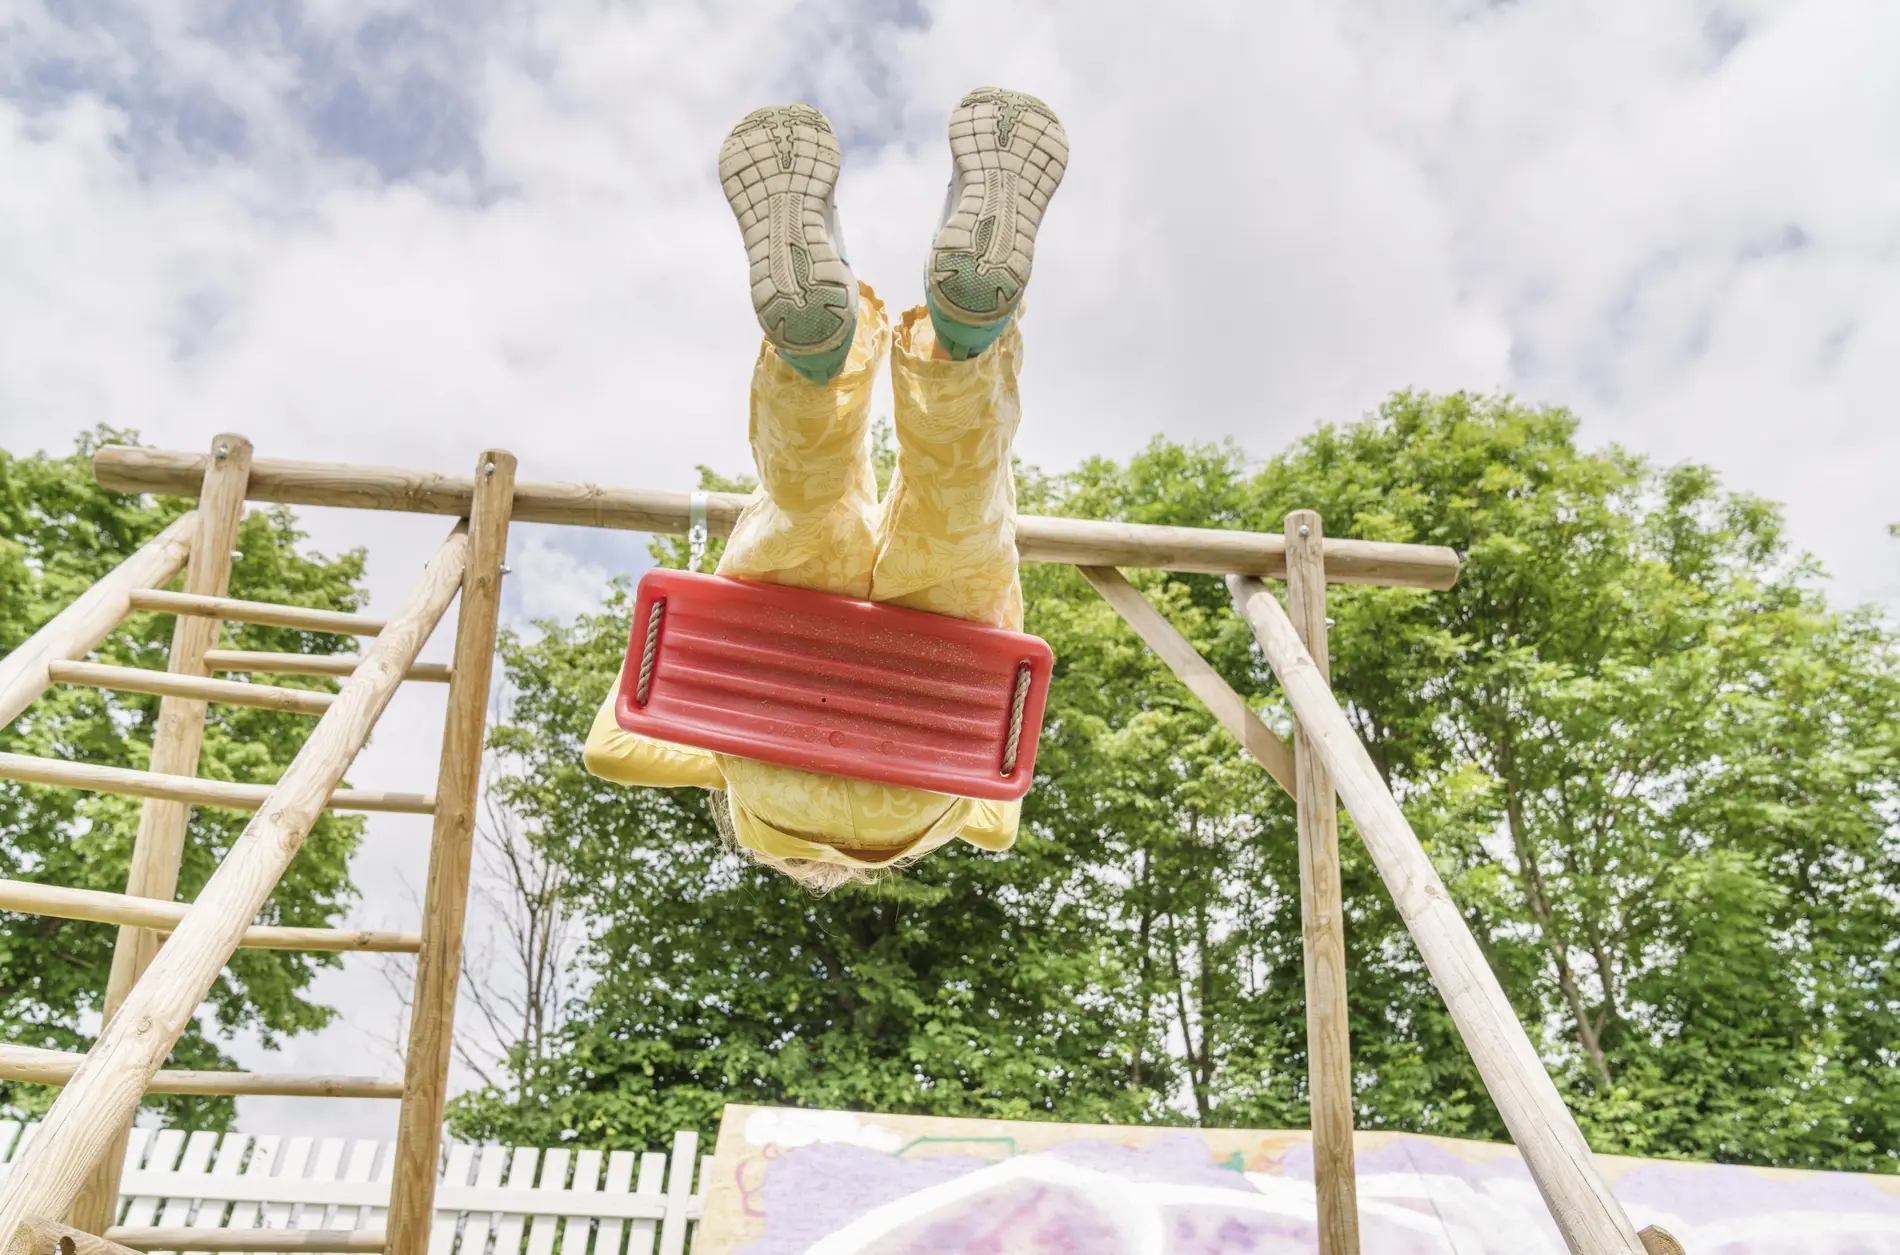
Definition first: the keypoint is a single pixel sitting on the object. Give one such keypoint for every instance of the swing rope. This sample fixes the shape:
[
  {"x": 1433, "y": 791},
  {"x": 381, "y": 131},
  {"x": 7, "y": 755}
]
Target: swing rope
[
  {"x": 653, "y": 647},
  {"x": 1017, "y": 704}
]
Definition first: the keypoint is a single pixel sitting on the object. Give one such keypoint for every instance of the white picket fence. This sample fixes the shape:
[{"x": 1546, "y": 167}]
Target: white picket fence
[{"x": 507, "y": 1194}]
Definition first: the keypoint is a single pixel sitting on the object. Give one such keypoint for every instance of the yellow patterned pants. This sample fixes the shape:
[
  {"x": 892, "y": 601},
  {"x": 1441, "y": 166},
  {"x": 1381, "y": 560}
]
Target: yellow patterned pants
[{"x": 943, "y": 539}]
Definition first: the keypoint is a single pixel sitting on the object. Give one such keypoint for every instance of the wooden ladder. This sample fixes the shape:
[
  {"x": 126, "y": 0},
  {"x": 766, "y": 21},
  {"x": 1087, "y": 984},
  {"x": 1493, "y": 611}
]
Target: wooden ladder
[{"x": 71, "y": 1175}]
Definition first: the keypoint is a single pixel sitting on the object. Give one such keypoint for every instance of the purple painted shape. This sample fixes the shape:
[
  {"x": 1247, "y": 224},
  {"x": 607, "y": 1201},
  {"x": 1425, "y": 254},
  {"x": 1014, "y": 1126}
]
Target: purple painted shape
[
  {"x": 1708, "y": 1192},
  {"x": 816, "y": 1190},
  {"x": 1206, "y": 1232},
  {"x": 1177, "y": 1159},
  {"x": 813, "y": 1191},
  {"x": 1021, "y": 1218}
]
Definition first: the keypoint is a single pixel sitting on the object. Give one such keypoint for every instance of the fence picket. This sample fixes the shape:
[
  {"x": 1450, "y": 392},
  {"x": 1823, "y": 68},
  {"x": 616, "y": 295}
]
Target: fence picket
[
  {"x": 161, "y": 1158},
  {"x": 176, "y": 1211},
  {"x": 521, "y": 1198},
  {"x": 619, "y": 1179},
  {"x": 487, "y": 1177},
  {"x": 291, "y": 1159},
  {"x": 357, "y": 1169},
  {"x": 520, "y": 1177},
  {"x": 586, "y": 1181},
  {"x": 258, "y": 1166},
  {"x": 541, "y": 1229},
  {"x": 329, "y": 1160},
  {"x": 640, "y": 1233},
  {"x": 230, "y": 1157},
  {"x": 696, "y": 1206},
  {"x": 679, "y": 1192},
  {"x": 373, "y": 1217},
  {"x": 442, "y": 1233}
]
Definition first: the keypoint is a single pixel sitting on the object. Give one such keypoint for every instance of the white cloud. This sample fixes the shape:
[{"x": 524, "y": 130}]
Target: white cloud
[{"x": 392, "y": 233}]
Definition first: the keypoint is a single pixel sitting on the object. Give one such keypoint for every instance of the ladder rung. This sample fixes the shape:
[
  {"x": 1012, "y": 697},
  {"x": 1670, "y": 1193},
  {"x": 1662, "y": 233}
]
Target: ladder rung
[
  {"x": 127, "y": 911},
  {"x": 244, "y": 797},
  {"x": 355, "y": 1241},
  {"x": 169, "y": 684},
  {"x": 262, "y": 663},
  {"x": 56, "y": 1067},
  {"x": 260, "y": 612}
]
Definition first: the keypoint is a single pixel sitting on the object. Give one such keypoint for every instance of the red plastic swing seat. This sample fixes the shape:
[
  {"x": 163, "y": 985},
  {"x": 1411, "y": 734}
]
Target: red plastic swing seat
[{"x": 834, "y": 684}]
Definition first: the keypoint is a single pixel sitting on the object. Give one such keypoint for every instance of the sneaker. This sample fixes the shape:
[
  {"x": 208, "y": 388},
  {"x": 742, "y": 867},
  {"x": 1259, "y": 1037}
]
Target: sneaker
[
  {"x": 1009, "y": 152},
  {"x": 779, "y": 168}
]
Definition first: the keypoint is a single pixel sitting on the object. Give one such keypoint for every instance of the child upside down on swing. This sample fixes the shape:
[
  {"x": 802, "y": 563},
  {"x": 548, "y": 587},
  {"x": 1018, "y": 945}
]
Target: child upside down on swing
[{"x": 943, "y": 539}]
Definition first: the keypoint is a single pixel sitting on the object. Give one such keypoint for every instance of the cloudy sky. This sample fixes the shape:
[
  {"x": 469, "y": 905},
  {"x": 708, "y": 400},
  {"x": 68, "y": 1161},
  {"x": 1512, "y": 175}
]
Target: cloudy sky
[{"x": 398, "y": 233}]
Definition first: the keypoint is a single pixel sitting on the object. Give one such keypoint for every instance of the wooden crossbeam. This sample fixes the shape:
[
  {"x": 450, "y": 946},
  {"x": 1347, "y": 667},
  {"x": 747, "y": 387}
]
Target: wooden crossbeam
[
  {"x": 264, "y": 613},
  {"x": 59, "y": 773},
  {"x": 56, "y": 1067},
  {"x": 267, "y": 1241},
  {"x": 101, "y": 675},
  {"x": 264, "y": 663},
  {"x": 31, "y": 898},
  {"x": 1080, "y": 542}
]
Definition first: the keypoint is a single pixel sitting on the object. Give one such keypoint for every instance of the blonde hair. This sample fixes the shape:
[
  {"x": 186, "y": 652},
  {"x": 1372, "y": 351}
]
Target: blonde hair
[{"x": 815, "y": 874}]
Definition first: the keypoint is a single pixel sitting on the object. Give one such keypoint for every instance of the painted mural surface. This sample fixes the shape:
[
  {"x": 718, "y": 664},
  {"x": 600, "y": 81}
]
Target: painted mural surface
[{"x": 837, "y": 1183}]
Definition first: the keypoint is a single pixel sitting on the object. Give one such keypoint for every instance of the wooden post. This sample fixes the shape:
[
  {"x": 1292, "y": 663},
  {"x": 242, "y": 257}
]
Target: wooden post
[
  {"x": 160, "y": 845},
  {"x": 1322, "y": 918},
  {"x": 83, "y": 1124},
  {"x": 1588, "y": 1216},
  {"x": 457, "y": 793},
  {"x": 72, "y": 633}
]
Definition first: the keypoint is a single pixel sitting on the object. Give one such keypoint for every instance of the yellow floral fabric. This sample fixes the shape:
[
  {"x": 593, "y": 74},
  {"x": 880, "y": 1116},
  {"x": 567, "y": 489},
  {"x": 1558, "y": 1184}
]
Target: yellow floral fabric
[{"x": 943, "y": 540}]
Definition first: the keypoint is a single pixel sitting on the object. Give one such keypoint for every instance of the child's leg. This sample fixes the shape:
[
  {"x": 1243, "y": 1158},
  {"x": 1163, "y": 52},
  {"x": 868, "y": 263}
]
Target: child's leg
[
  {"x": 812, "y": 525},
  {"x": 946, "y": 540}
]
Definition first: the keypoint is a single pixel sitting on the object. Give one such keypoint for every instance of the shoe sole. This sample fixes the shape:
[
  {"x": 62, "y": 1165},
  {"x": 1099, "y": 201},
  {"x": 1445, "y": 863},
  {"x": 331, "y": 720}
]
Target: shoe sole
[
  {"x": 779, "y": 168},
  {"x": 1009, "y": 151}
]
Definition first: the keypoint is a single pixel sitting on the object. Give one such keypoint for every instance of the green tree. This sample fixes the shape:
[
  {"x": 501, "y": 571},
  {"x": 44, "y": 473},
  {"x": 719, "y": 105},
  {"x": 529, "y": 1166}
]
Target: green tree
[
  {"x": 59, "y": 532},
  {"x": 1659, "y": 774}
]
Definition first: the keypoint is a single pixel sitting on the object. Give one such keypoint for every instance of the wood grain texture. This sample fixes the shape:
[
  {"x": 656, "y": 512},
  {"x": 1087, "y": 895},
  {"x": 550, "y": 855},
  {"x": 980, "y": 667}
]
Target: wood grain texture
[
  {"x": 82, "y": 1123},
  {"x": 46, "y": 1237},
  {"x": 74, "y": 631},
  {"x": 289, "y": 1241},
  {"x": 1080, "y": 542},
  {"x": 267, "y": 614},
  {"x": 59, "y": 773},
  {"x": 56, "y": 1067},
  {"x": 451, "y": 849},
  {"x": 177, "y": 737},
  {"x": 1322, "y": 918},
  {"x": 262, "y": 662},
  {"x": 1227, "y": 706},
  {"x": 198, "y": 690},
  {"x": 1588, "y": 1216},
  {"x": 59, "y": 902}
]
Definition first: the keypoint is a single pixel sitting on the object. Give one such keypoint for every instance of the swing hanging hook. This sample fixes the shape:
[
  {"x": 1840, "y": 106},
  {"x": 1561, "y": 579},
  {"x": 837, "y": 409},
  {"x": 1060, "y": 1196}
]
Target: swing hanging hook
[{"x": 696, "y": 532}]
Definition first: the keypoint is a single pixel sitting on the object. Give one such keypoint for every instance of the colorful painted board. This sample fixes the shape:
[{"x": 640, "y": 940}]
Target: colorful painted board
[{"x": 836, "y": 1183}]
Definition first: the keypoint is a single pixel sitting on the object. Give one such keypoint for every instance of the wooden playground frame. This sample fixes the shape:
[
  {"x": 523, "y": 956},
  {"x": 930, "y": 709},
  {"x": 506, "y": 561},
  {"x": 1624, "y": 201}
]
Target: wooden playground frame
[{"x": 63, "y": 1193}]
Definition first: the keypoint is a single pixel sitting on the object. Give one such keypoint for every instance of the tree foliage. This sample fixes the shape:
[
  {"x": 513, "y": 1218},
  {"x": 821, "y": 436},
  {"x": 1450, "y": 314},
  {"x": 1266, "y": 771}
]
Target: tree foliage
[
  {"x": 59, "y": 532},
  {"x": 1659, "y": 774}
]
